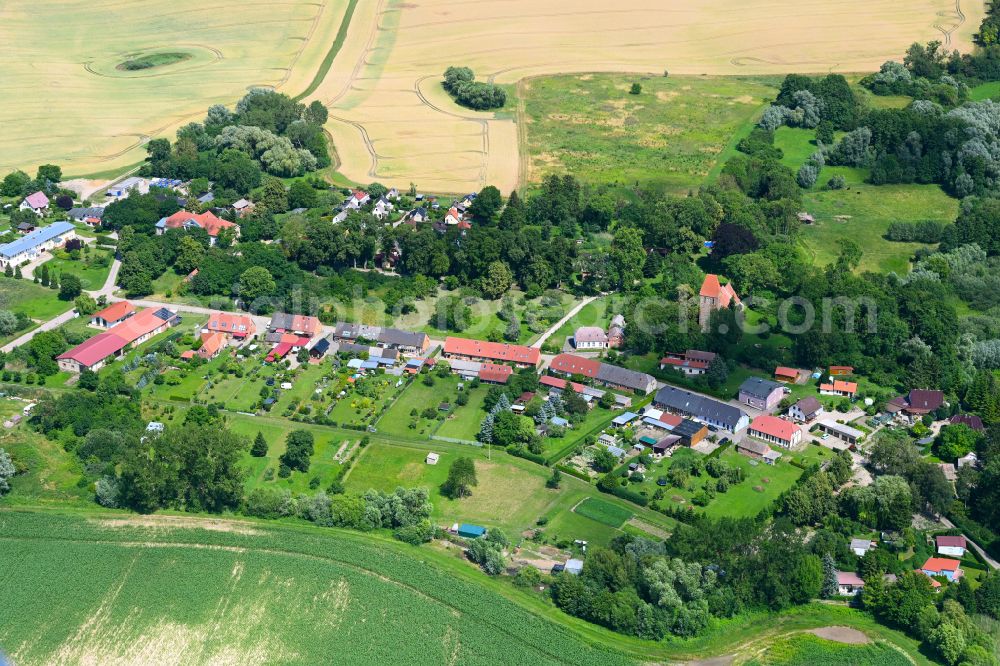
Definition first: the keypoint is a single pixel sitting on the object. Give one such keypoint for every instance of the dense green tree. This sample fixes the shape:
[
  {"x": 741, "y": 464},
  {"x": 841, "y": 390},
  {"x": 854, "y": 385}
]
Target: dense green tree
[
  {"x": 259, "y": 448},
  {"x": 299, "y": 448},
  {"x": 70, "y": 287},
  {"x": 461, "y": 478}
]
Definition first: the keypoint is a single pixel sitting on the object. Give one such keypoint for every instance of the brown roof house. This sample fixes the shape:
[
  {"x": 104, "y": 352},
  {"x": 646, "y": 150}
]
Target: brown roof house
[{"x": 917, "y": 403}]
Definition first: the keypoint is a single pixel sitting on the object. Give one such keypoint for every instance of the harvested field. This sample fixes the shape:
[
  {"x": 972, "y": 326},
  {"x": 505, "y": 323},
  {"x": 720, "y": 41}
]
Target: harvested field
[
  {"x": 391, "y": 120},
  {"x": 69, "y": 103}
]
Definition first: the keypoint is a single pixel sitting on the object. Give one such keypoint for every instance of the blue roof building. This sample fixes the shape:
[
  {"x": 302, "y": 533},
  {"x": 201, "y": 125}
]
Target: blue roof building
[
  {"x": 30, "y": 246},
  {"x": 559, "y": 421},
  {"x": 471, "y": 531}
]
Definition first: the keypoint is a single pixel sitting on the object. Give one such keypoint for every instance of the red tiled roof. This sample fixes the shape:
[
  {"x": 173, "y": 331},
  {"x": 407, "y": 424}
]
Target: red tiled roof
[
  {"x": 838, "y": 385},
  {"x": 95, "y": 349},
  {"x": 495, "y": 351},
  {"x": 37, "y": 200},
  {"x": 782, "y": 371},
  {"x": 554, "y": 382},
  {"x": 207, "y": 221},
  {"x": 210, "y": 344},
  {"x": 492, "y": 372},
  {"x": 841, "y": 369},
  {"x": 712, "y": 288},
  {"x": 114, "y": 312},
  {"x": 775, "y": 427},
  {"x": 571, "y": 364},
  {"x": 235, "y": 324},
  {"x": 941, "y": 564},
  {"x": 135, "y": 327},
  {"x": 951, "y": 541}
]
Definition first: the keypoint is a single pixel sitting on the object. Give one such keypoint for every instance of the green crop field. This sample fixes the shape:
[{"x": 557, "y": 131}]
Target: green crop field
[
  {"x": 807, "y": 650},
  {"x": 612, "y": 515},
  {"x": 178, "y": 590},
  {"x": 669, "y": 136}
]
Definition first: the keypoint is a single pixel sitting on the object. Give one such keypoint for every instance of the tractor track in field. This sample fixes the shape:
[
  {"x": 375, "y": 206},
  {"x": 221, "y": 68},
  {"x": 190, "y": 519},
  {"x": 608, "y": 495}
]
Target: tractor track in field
[{"x": 495, "y": 625}]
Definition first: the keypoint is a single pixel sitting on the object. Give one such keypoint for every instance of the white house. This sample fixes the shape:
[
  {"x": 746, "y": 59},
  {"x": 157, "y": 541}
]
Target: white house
[
  {"x": 37, "y": 202},
  {"x": 849, "y": 583},
  {"x": 805, "y": 410},
  {"x": 357, "y": 199},
  {"x": 382, "y": 208},
  {"x": 590, "y": 337},
  {"x": 30, "y": 246},
  {"x": 432, "y": 458},
  {"x": 453, "y": 216},
  {"x": 861, "y": 546},
  {"x": 951, "y": 545}
]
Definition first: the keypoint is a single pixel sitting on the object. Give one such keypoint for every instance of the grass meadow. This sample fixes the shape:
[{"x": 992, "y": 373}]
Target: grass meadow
[
  {"x": 669, "y": 136},
  {"x": 860, "y": 212}
]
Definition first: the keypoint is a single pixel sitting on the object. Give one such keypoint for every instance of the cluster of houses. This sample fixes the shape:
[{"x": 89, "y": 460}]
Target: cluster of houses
[
  {"x": 850, "y": 583},
  {"x": 125, "y": 329}
]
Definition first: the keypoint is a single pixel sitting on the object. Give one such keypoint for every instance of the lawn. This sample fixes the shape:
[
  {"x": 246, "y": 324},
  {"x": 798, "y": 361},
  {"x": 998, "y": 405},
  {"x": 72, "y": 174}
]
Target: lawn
[
  {"x": 464, "y": 421},
  {"x": 511, "y": 493},
  {"x": 761, "y": 485},
  {"x": 806, "y": 650},
  {"x": 397, "y": 420},
  {"x": 990, "y": 90},
  {"x": 323, "y": 464},
  {"x": 34, "y": 300},
  {"x": 92, "y": 269},
  {"x": 861, "y": 212},
  {"x": 604, "y": 512},
  {"x": 669, "y": 137}
]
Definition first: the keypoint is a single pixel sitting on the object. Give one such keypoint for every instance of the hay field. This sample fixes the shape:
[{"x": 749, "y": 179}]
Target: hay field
[
  {"x": 391, "y": 120},
  {"x": 67, "y": 102}
]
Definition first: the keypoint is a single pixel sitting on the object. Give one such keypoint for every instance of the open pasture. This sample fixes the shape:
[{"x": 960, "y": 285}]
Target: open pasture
[
  {"x": 391, "y": 120},
  {"x": 73, "y": 102},
  {"x": 669, "y": 136}
]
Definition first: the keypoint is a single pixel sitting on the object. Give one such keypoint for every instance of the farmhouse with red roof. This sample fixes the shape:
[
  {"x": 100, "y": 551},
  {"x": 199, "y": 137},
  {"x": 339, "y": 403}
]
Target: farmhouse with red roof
[
  {"x": 496, "y": 352},
  {"x": 112, "y": 315},
  {"x": 775, "y": 431},
  {"x": 208, "y": 221}
]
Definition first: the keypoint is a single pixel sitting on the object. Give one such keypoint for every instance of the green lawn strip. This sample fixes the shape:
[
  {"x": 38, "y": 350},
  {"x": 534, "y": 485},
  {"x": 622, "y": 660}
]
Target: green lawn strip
[
  {"x": 396, "y": 420},
  {"x": 594, "y": 313},
  {"x": 612, "y": 515},
  {"x": 465, "y": 420},
  {"x": 335, "y": 46}
]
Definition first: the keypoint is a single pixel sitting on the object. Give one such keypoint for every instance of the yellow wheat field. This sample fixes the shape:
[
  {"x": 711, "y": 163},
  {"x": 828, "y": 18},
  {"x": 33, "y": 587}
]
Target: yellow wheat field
[
  {"x": 391, "y": 121},
  {"x": 66, "y": 102}
]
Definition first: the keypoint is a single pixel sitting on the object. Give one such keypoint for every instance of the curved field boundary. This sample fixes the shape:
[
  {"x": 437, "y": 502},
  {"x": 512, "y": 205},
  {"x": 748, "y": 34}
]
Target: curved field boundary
[
  {"x": 440, "y": 597},
  {"x": 338, "y": 43}
]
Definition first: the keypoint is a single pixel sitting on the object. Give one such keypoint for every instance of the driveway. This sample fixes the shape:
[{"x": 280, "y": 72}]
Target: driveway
[{"x": 556, "y": 326}]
